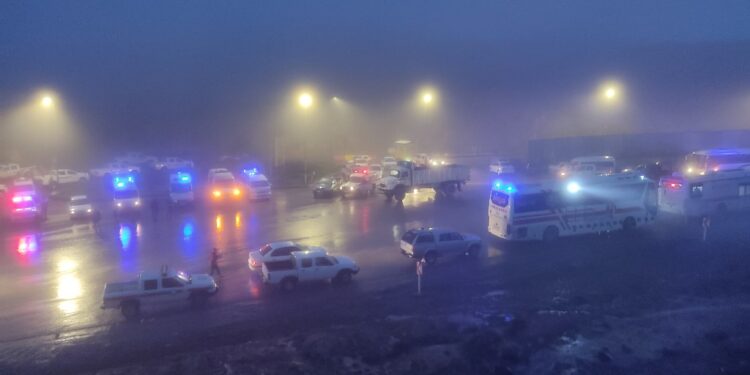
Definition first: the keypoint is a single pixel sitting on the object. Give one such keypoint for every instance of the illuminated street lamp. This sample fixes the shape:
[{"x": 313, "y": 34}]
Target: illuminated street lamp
[
  {"x": 427, "y": 98},
  {"x": 305, "y": 100},
  {"x": 47, "y": 102},
  {"x": 610, "y": 93}
]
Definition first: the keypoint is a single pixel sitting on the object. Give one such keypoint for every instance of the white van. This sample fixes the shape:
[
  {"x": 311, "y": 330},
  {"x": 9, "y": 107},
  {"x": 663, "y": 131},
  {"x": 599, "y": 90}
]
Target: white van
[{"x": 258, "y": 187}]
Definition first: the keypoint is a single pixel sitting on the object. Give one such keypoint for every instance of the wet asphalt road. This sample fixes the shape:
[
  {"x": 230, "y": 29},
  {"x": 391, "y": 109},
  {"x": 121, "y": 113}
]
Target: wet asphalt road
[
  {"x": 58, "y": 270},
  {"x": 661, "y": 291}
]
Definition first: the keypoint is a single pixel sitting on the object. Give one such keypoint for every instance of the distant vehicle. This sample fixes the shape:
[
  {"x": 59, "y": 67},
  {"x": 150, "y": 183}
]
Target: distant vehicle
[
  {"x": 171, "y": 163},
  {"x": 502, "y": 167},
  {"x": 275, "y": 252},
  {"x": 588, "y": 166},
  {"x": 115, "y": 168},
  {"x": 181, "y": 189},
  {"x": 80, "y": 207},
  {"x": 358, "y": 186},
  {"x": 10, "y": 170},
  {"x": 309, "y": 266},
  {"x": 223, "y": 188},
  {"x": 361, "y": 160},
  {"x": 27, "y": 203},
  {"x": 376, "y": 171},
  {"x": 388, "y": 161},
  {"x": 445, "y": 179},
  {"x": 62, "y": 176},
  {"x": 711, "y": 194},
  {"x": 549, "y": 209},
  {"x": 716, "y": 159},
  {"x": 136, "y": 158},
  {"x": 258, "y": 187},
  {"x": 158, "y": 289},
  {"x": 431, "y": 243},
  {"x": 327, "y": 187},
  {"x": 125, "y": 195},
  {"x": 652, "y": 171}
]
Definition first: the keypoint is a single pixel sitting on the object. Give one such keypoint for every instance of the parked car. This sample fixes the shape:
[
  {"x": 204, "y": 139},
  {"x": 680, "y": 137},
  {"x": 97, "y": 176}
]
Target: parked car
[
  {"x": 62, "y": 176},
  {"x": 136, "y": 158},
  {"x": 170, "y": 163},
  {"x": 432, "y": 243},
  {"x": 158, "y": 289},
  {"x": 309, "y": 266},
  {"x": 115, "y": 168},
  {"x": 274, "y": 252},
  {"x": 258, "y": 187}
]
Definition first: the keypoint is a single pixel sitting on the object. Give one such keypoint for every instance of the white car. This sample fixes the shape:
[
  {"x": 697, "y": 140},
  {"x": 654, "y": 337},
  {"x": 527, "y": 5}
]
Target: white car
[
  {"x": 136, "y": 158},
  {"x": 10, "y": 170},
  {"x": 258, "y": 187},
  {"x": 432, "y": 243},
  {"x": 155, "y": 289},
  {"x": 115, "y": 168},
  {"x": 275, "y": 252},
  {"x": 502, "y": 167},
  {"x": 80, "y": 207},
  {"x": 359, "y": 185},
  {"x": 62, "y": 176},
  {"x": 173, "y": 163},
  {"x": 309, "y": 266}
]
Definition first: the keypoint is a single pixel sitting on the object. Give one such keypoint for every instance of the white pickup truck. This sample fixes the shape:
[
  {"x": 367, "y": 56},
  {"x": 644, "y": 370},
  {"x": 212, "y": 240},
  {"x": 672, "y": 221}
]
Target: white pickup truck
[
  {"x": 158, "y": 289},
  {"x": 309, "y": 266},
  {"x": 62, "y": 176},
  {"x": 407, "y": 176},
  {"x": 10, "y": 170}
]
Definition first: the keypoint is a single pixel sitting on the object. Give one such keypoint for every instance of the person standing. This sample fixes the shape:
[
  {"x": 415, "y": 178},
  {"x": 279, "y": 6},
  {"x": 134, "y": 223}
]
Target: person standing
[{"x": 215, "y": 261}]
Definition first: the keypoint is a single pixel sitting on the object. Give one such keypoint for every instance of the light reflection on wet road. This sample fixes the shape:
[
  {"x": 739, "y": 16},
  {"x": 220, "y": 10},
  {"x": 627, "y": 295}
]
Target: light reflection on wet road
[{"x": 58, "y": 272}]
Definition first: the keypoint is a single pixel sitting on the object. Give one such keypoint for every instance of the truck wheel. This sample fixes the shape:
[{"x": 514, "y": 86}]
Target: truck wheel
[
  {"x": 400, "y": 193},
  {"x": 431, "y": 257},
  {"x": 288, "y": 284},
  {"x": 344, "y": 277},
  {"x": 130, "y": 310},
  {"x": 551, "y": 234},
  {"x": 198, "y": 299}
]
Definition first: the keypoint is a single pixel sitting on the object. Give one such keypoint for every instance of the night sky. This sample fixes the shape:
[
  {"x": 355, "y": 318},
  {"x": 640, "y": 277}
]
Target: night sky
[{"x": 214, "y": 72}]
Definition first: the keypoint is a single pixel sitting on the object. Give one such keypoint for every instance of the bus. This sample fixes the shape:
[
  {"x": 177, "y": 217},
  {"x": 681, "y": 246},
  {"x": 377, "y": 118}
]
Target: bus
[
  {"x": 715, "y": 159},
  {"x": 712, "y": 193},
  {"x": 551, "y": 209}
]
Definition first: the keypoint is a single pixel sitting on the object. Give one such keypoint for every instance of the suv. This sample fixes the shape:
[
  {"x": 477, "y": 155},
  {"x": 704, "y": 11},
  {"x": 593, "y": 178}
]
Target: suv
[{"x": 431, "y": 243}]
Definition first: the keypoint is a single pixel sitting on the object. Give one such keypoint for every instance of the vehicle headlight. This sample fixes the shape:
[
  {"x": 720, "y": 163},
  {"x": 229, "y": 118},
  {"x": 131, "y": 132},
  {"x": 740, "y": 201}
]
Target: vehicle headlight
[
  {"x": 137, "y": 203},
  {"x": 236, "y": 191},
  {"x": 72, "y": 211},
  {"x": 351, "y": 188},
  {"x": 89, "y": 210},
  {"x": 119, "y": 204},
  {"x": 217, "y": 194}
]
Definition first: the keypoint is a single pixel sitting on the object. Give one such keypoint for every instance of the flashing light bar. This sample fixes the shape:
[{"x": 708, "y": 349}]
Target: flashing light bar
[
  {"x": 500, "y": 186},
  {"x": 120, "y": 182},
  {"x": 183, "y": 178},
  {"x": 251, "y": 171}
]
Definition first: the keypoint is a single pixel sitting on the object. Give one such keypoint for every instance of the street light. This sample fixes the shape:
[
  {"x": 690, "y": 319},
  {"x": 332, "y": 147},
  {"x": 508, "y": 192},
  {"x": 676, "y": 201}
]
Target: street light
[
  {"x": 305, "y": 100},
  {"x": 610, "y": 92},
  {"x": 427, "y": 98},
  {"x": 47, "y": 102}
]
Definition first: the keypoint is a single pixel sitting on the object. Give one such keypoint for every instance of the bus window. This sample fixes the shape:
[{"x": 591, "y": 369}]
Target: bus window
[
  {"x": 499, "y": 198},
  {"x": 530, "y": 203}
]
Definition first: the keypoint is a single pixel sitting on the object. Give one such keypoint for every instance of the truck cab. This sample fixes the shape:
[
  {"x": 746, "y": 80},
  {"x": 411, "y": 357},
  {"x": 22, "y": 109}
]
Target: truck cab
[{"x": 181, "y": 189}]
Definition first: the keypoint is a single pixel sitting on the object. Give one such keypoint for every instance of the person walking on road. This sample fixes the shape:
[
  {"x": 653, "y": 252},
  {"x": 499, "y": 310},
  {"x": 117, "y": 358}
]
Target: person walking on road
[
  {"x": 154, "y": 209},
  {"x": 215, "y": 261}
]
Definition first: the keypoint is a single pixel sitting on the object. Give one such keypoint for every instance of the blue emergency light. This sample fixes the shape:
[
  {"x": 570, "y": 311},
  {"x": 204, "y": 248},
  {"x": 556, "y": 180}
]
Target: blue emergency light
[
  {"x": 251, "y": 171},
  {"x": 183, "y": 178},
  {"x": 500, "y": 186},
  {"x": 120, "y": 182}
]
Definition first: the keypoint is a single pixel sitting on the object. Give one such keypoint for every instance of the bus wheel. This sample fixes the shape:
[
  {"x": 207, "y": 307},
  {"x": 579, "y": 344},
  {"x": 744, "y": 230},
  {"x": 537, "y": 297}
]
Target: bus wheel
[
  {"x": 628, "y": 225},
  {"x": 551, "y": 234}
]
